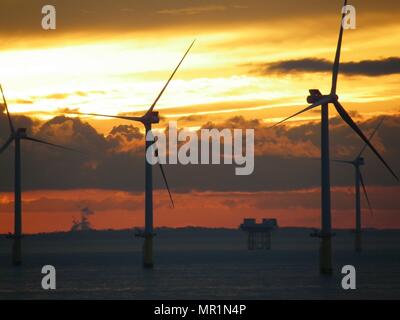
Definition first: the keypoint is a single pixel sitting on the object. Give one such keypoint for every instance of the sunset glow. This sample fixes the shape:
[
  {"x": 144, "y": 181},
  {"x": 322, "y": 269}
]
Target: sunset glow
[{"x": 235, "y": 70}]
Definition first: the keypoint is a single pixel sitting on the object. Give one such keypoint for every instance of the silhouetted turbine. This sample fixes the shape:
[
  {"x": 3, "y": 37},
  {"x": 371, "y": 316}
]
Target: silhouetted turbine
[
  {"x": 359, "y": 180},
  {"x": 147, "y": 120},
  {"x": 317, "y": 99},
  {"x": 16, "y": 135}
]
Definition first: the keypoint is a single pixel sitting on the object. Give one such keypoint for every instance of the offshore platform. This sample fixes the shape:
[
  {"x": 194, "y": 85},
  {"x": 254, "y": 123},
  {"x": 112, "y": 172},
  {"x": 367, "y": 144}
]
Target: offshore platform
[{"x": 259, "y": 234}]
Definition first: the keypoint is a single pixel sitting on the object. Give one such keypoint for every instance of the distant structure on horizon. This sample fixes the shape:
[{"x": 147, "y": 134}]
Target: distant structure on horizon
[
  {"x": 259, "y": 234},
  {"x": 84, "y": 223}
]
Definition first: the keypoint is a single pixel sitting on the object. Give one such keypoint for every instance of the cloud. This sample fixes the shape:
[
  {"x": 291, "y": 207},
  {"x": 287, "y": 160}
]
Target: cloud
[
  {"x": 23, "y": 101},
  {"x": 65, "y": 95},
  {"x": 193, "y": 10},
  {"x": 128, "y": 131},
  {"x": 114, "y": 209},
  {"x": 109, "y": 178},
  {"x": 370, "y": 68},
  {"x": 18, "y": 121},
  {"x": 283, "y": 157},
  {"x": 192, "y": 118},
  {"x": 57, "y": 96},
  {"x": 126, "y": 138},
  {"x": 73, "y": 132},
  {"x": 58, "y": 202},
  {"x": 21, "y": 17}
]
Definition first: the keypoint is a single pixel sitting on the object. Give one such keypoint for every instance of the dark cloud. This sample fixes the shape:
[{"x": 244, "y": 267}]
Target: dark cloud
[
  {"x": 73, "y": 132},
  {"x": 283, "y": 158},
  {"x": 59, "y": 204},
  {"x": 192, "y": 118},
  {"x": 19, "y": 121},
  {"x": 128, "y": 131},
  {"x": 21, "y": 17},
  {"x": 368, "y": 68},
  {"x": 126, "y": 138},
  {"x": 237, "y": 122}
]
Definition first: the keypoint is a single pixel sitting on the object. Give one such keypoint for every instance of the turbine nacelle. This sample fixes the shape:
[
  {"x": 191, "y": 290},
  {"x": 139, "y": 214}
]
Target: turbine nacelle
[
  {"x": 360, "y": 161},
  {"x": 316, "y": 96},
  {"x": 151, "y": 117},
  {"x": 21, "y": 133}
]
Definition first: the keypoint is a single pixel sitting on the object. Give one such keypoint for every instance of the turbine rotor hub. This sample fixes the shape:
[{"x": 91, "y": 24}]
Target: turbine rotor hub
[
  {"x": 360, "y": 161},
  {"x": 152, "y": 117},
  {"x": 21, "y": 133}
]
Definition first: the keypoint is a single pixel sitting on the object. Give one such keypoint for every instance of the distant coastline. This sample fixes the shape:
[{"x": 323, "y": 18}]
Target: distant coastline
[{"x": 188, "y": 228}]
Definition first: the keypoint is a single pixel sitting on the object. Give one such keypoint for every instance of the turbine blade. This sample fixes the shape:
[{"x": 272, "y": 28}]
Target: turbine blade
[
  {"x": 366, "y": 193},
  {"x": 166, "y": 184},
  {"x": 6, "y": 144},
  {"x": 370, "y": 137},
  {"x": 335, "y": 70},
  {"x": 318, "y": 103},
  {"x": 346, "y": 117},
  {"x": 51, "y": 144},
  {"x": 8, "y": 113},
  {"x": 342, "y": 161},
  {"x": 332, "y": 160},
  {"x": 170, "y": 78},
  {"x": 108, "y": 116}
]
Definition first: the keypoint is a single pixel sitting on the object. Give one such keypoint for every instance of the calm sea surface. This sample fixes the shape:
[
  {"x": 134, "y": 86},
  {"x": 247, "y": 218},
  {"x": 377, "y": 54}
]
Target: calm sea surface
[{"x": 199, "y": 264}]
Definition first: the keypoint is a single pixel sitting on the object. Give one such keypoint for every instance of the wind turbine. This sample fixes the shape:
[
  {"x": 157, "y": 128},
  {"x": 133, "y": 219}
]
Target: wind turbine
[
  {"x": 16, "y": 135},
  {"x": 317, "y": 99},
  {"x": 147, "y": 120},
  {"x": 359, "y": 182}
]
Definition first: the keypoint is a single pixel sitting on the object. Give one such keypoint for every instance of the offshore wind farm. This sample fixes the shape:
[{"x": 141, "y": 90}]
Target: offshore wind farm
[
  {"x": 201, "y": 263},
  {"x": 239, "y": 85}
]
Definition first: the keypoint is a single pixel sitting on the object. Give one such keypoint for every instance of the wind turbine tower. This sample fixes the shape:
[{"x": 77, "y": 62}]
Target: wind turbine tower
[
  {"x": 16, "y": 135},
  {"x": 316, "y": 98},
  {"x": 357, "y": 163},
  {"x": 148, "y": 119}
]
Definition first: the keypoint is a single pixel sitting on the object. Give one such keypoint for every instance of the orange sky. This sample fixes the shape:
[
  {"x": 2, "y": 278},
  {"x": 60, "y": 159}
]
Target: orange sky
[
  {"x": 46, "y": 211},
  {"x": 113, "y": 72},
  {"x": 120, "y": 66}
]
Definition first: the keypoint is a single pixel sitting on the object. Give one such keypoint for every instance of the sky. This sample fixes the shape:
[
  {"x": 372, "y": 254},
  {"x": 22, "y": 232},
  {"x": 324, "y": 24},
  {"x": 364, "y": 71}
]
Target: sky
[{"x": 252, "y": 65}]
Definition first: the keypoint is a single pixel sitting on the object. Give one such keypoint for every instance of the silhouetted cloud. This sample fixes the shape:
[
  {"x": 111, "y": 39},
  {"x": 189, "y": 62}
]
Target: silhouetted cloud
[
  {"x": 115, "y": 161},
  {"x": 369, "y": 68},
  {"x": 115, "y": 209},
  {"x": 126, "y": 138}
]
